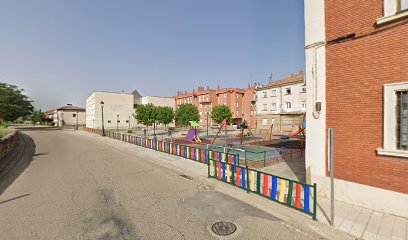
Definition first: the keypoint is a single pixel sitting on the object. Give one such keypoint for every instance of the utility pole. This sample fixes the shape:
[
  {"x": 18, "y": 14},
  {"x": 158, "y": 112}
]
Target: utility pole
[{"x": 331, "y": 167}]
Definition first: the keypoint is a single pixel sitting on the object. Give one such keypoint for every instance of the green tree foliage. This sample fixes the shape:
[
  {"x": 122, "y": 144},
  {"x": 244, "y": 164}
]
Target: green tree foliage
[
  {"x": 186, "y": 113},
  {"x": 145, "y": 114},
  {"x": 165, "y": 115},
  {"x": 221, "y": 112},
  {"x": 13, "y": 103},
  {"x": 38, "y": 116}
]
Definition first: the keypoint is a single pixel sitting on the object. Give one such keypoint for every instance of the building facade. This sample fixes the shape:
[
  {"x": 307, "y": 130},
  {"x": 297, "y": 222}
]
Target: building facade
[
  {"x": 117, "y": 110},
  {"x": 357, "y": 80},
  {"x": 240, "y": 101},
  {"x": 282, "y": 103},
  {"x": 67, "y": 116}
]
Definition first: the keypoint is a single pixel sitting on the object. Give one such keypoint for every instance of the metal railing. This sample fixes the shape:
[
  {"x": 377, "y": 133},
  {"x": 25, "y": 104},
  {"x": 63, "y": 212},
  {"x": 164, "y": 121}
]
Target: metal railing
[{"x": 291, "y": 193}]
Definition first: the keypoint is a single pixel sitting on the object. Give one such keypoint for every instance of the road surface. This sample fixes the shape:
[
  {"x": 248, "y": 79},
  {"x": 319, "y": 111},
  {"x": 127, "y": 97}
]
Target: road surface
[{"x": 77, "y": 188}]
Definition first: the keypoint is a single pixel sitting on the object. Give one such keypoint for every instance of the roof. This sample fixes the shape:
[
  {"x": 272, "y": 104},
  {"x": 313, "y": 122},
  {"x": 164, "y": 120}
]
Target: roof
[
  {"x": 71, "y": 108},
  {"x": 292, "y": 79},
  {"x": 136, "y": 94}
]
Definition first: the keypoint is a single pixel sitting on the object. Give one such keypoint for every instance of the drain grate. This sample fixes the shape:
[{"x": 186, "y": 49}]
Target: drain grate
[{"x": 223, "y": 228}]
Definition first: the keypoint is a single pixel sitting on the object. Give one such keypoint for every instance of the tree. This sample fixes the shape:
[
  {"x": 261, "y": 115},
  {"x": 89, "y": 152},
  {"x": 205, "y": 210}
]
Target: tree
[
  {"x": 38, "y": 116},
  {"x": 221, "y": 112},
  {"x": 165, "y": 115},
  {"x": 13, "y": 103},
  {"x": 186, "y": 113},
  {"x": 146, "y": 114}
]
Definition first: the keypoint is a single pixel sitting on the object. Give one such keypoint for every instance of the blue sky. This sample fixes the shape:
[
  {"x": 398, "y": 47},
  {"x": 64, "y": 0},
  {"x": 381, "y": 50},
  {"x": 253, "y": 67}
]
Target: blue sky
[{"x": 60, "y": 51}]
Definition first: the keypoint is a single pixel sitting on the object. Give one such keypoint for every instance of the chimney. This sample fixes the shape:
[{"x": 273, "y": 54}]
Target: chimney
[
  {"x": 69, "y": 104},
  {"x": 208, "y": 87},
  {"x": 249, "y": 86},
  {"x": 218, "y": 87}
]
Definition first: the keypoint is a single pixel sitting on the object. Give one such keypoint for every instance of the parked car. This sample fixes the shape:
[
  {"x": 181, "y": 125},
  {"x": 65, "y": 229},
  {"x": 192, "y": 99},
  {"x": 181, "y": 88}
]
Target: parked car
[{"x": 217, "y": 126}]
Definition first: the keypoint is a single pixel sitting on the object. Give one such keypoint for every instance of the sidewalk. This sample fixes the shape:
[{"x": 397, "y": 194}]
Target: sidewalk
[{"x": 357, "y": 221}]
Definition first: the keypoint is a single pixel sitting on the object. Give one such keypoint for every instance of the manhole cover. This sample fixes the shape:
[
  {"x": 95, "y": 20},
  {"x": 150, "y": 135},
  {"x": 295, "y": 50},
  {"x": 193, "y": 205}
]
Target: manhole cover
[{"x": 223, "y": 228}]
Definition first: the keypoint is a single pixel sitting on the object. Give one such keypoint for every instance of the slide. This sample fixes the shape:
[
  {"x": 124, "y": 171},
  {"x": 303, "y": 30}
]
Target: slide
[
  {"x": 190, "y": 135},
  {"x": 295, "y": 133}
]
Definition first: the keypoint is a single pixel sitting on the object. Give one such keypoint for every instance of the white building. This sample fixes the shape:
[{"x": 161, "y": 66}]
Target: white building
[
  {"x": 67, "y": 116},
  {"x": 282, "y": 102},
  {"x": 117, "y": 110}
]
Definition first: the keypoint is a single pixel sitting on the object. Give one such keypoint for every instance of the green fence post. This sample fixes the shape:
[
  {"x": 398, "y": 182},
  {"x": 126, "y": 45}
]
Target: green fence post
[
  {"x": 264, "y": 158},
  {"x": 258, "y": 182},
  {"x": 290, "y": 190},
  {"x": 208, "y": 164},
  {"x": 314, "y": 201}
]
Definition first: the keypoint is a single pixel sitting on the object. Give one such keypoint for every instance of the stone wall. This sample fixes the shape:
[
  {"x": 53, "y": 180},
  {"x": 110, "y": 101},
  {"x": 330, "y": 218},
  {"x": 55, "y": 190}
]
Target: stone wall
[{"x": 7, "y": 143}]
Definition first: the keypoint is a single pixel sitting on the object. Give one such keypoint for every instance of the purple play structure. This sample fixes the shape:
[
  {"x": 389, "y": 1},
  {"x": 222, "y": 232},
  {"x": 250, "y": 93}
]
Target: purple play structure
[{"x": 190, "y": 135}]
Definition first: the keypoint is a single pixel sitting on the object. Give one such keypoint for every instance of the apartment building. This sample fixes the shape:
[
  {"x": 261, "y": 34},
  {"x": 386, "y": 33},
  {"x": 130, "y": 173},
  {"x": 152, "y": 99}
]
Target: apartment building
[
  {"x": 117, "y": 110},
  {"x": 357, "y": 81},
  {"x": 281, "y": 102},
  {"x": 240, "y": 101}
]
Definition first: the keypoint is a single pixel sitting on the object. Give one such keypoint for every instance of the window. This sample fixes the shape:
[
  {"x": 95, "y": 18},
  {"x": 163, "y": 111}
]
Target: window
[
  {"x": 201, "y": 113},
  {"x": 273, "y": 106},
  {"x": 118, "y": 121},
  {"x": 127, "y": 121},
  {"x": 237, "y": 113},
  {"x": 303, "y": 89},
  {"x": 402, "y": 5},
  {"x": 265, "y": 122},
  {"x": 237, "y": 104},
  {"x": 252, "y": 113},
  {"x": 109, "y": 121},
  {"x": 225, "y": 95},
  {"x": 273, "y": 94},
  {"x": 265, "y": 107},
  {"x": 395, "y": 115},
  {"x": 237, "y": 96},
  {"x": 288, "y": 91},
  {"x": 265, "y": 94},
  {"x": 402, "y": 120},
  {"x": 73, "y": 115},
  {"x": 288, "y": 105},
  {"x": 303, "y": 104}
]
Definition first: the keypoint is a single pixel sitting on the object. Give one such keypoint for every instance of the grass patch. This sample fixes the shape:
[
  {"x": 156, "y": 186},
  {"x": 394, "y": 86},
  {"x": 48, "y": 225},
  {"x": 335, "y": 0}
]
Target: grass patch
[{"x": 4, "y": 132}]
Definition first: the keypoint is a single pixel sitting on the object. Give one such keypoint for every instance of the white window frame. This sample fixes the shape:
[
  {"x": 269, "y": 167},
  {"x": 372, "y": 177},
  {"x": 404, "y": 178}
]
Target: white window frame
[
  {"x": 303, "y": 105},
  {"x": 265, "y": 107},
  {"x": 288, "y": 104},
  {"x": 265, "y": 94},
  {"x": 389, "y": 147},
  {"x": 391, "y": 12},
  {"x": 273, "y": 93},
  {"x": 286, "y": 91},
  {"x": 265, "y": 122},
  {"x": 273, "y": 106}
]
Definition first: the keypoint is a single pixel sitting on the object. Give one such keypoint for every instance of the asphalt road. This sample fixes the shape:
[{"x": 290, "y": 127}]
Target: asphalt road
[{"x": 76, "y": 188}]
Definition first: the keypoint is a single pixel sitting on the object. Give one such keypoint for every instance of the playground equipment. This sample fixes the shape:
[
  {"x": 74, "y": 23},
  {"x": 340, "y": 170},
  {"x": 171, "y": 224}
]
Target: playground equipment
[
  {"x": 192, "y": 134},
  {"x": 244, "y": 126},
  {"x": 270, "y": 130},
  {"x": 223, "y": 124}
]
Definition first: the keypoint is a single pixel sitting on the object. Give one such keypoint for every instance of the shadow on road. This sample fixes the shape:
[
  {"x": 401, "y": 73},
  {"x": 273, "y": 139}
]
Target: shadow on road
[
  {"x": 15, "y": 198},
  {"x": 15, "y": 162}
]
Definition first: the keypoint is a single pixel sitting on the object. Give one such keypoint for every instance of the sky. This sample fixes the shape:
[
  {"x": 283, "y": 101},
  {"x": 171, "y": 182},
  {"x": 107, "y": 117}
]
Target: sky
[{"x": 60, "y": 51}]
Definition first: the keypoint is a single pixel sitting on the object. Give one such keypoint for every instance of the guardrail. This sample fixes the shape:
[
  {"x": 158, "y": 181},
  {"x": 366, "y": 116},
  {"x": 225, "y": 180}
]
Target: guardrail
[{"x": 294, "y": 194}]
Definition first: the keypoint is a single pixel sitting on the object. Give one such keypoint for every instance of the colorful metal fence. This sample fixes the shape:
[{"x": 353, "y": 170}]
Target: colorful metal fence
[
  {"x": 226, "y": 167},
  {"x": 294, "y": 194}
]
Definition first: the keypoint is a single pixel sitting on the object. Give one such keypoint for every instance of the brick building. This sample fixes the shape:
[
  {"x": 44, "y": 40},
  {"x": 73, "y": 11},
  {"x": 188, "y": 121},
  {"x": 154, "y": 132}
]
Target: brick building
[
  {"x": 240, "y": 101},
  {"x": 357, "y": 82}
]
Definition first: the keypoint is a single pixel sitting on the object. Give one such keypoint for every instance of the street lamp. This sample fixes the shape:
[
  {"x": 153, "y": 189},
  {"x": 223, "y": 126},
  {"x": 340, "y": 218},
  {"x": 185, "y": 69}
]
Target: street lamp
[
  {"x": 117, "y": 123},
  {"x": 154, "y": 123},
  {"x": 103, "y": 126},
  {"x": 129, "y": 122},
  {"x": 76, "y": 127}
]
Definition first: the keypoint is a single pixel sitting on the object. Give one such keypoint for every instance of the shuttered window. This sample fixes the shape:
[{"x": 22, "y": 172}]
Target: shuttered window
[{"x": 402, "y": 120}]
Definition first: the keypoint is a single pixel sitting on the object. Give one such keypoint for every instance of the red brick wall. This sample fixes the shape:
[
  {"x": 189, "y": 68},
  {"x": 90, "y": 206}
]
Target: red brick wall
[{"x": 356, "y": 73}]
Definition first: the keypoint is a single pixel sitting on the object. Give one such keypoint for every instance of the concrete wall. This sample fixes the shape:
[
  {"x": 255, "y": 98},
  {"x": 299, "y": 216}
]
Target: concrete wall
[{"x": 114, "y": 104}]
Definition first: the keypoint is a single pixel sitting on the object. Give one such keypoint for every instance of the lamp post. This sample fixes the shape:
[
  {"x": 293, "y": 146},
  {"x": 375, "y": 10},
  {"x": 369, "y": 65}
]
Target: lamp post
[
  {"x": 77, "y": 120},
  {"x": 117, "y": 123},
  {"x": 103, "y": 126},
  {"x": 154, "y": 123},
  {"x": 129, "y": 122}
]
